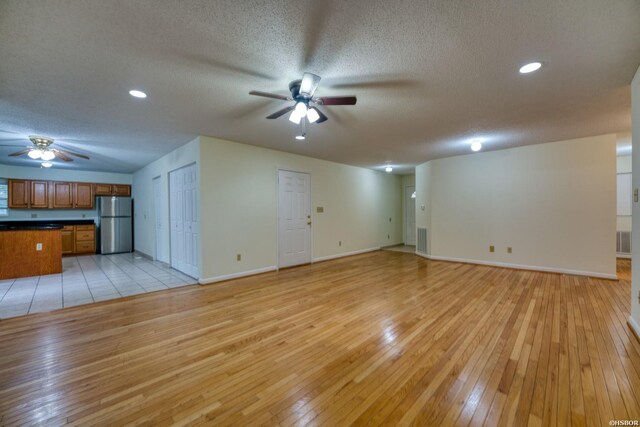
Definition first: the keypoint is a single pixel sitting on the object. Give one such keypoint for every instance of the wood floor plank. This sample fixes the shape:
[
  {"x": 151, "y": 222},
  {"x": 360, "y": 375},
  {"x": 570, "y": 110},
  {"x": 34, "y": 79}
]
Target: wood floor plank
[{"x": 383, "y": 338}]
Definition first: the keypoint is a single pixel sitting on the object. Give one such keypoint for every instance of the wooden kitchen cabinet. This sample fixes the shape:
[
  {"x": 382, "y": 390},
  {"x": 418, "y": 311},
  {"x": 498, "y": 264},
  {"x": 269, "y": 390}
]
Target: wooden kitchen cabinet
[
  {"x": 85, "y": 239},
  {"x": 32, "y": 194},
  {"x": 79, "y": 239},
  {"x": 83, "y": 195},
  {"x": 18, "y": 193},
  {"x": 68, "y": 240},
  {"x": 121, "y": 190},
  {"x": 39, "y": 195},
  {"x": 62, "y": 195},
  {"x": 112, "y": 190},
  {"x": 103, "y": 189}
]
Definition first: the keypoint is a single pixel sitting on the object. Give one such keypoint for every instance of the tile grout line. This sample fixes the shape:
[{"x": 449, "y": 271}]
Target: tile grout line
[
  {"x": 106, "y": 275},
  {"x": 34, "y": 294},
  {"x": 86, "y": 282},
  {"x": 7, "y": 291}
]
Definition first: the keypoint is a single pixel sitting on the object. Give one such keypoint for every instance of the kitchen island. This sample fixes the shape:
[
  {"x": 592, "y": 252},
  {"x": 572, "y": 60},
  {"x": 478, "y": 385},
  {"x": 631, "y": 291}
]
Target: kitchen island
[{"x": 29, "y": 249}]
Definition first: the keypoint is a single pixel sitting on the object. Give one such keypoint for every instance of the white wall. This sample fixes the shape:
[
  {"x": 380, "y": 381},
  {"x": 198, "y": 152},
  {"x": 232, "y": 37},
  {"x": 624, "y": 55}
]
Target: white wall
[
  {"x": 239, "y": 202},
  {"x": 554, "y": 204},
  {"x": 407, "y": 181},
  {"x": 52, "y": 174},
  {"x": 635, "y": 235},
  {"x": 423, "y": 200},
  {"x": 142, "y": 192},
  {"x": 623, "y": 165}
]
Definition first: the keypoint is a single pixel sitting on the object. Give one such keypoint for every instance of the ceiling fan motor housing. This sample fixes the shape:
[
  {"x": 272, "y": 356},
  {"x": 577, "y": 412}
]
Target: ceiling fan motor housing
[{"x": 294, "y": 88}]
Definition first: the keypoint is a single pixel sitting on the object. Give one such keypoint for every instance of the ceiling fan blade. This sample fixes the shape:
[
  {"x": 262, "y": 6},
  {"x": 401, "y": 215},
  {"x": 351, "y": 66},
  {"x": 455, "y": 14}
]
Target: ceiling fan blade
[
  {"x": 71, "y": 153},
  {"x": 20, "y": 153},
  {"x": 309, "y": 84},
  {"x": 281, "y": 112},
  {"x": 270, "y": 95},
  {"x": 322, "y": 118},
  {"x": 62, "y": 156},
  {"x": 336, "y": 100}
]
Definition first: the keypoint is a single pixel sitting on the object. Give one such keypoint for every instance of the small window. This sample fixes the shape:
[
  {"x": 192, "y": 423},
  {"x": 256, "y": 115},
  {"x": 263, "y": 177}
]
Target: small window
[{"x": 4, "y": 196}]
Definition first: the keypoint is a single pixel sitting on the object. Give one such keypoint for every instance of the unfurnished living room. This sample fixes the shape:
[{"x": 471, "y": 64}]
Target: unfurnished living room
[{"x": 319, "y": 212}]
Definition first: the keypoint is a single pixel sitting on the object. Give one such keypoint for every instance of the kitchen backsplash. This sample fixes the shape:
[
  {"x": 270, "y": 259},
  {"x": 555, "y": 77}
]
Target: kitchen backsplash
[{"x": 26, "y": 214}]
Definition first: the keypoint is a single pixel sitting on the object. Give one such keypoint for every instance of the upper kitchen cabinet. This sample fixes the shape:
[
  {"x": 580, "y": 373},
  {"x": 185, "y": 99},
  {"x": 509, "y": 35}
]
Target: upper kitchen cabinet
[
  {"x": 62, "y": 195},
  {"x": 32, "y": 194},
  {"x": 83, "y": 197},
  {"x": 112, "y": 190},
  {"x": 19, "y": 193},
  {"x": 103, "y": 189}
]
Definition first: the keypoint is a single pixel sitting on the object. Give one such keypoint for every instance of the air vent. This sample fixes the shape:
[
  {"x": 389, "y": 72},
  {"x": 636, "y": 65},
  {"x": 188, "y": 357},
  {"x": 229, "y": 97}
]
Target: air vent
[
  {"x": 422, "y": 241},
  {"x": 623, "y": 242}
]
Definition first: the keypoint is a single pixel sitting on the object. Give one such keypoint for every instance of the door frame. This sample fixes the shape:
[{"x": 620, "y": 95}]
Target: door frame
[
  {"x": 287, "y": 169},
  {"x": 406, "y": 213},
  {"x": 157, "y": 207},
  {"x": 198, "y": 228}
]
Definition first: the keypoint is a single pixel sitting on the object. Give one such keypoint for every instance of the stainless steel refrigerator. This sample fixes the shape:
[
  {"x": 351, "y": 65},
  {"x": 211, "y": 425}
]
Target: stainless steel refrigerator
[{"x": 115, "y": 224}]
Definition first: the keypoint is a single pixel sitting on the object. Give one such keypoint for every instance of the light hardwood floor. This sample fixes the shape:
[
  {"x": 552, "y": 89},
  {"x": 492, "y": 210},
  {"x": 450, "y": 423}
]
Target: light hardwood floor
[{"x": 382, "y": 338}]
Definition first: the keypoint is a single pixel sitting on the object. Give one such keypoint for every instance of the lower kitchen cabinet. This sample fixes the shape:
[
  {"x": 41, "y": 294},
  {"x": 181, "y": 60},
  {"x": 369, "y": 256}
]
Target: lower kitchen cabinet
[
  {"x": 68, "y": 240},
  {"x": 79, "y": 239}
]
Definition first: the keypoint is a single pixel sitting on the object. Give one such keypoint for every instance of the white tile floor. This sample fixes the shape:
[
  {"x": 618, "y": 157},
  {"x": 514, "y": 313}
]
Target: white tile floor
[{"x": 87, "y": 279}]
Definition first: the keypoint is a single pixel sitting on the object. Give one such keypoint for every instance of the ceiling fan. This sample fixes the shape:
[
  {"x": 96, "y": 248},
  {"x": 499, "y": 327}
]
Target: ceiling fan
[
  {"x": 41, "y": 151},
  {"x": 302, "y": 94}
]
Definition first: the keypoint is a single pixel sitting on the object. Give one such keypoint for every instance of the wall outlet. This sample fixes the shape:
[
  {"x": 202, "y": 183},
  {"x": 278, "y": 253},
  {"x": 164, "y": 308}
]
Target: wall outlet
[
  {"x": 509, "y": 250},
  {"x": 34, "y": 215},
  {"x": 239, "y": 257},
  {"x": 38, "y": 246},
  {"x": 492, "y": 248},
  {"x": 339, "y": 242}
]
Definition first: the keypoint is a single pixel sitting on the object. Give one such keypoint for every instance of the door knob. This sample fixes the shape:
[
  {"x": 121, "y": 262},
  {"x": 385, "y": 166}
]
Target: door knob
[{"x": 309, "y": 222}]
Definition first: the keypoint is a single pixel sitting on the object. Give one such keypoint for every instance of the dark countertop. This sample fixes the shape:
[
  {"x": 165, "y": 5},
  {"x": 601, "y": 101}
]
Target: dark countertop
[{"x": 42, "y": 224}]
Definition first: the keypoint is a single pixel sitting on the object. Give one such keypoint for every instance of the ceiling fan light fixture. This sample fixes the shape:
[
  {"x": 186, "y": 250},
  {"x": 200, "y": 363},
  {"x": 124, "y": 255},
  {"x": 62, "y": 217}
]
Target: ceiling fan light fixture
[
  {"x": 301, "y": 137},
  {"x": 35, "y": 154},
  {"x": 295, "y": 117},
  {"x": 312, "y": 115},
  {"x": 530, "y": 67},
  {"x": 388, "y": 169},
  {"x": 301, "y": 109},
  {"x": 47, "y": 155},
  {"x": 46, "y": 164},
  {"x": 137, "y": 93}
]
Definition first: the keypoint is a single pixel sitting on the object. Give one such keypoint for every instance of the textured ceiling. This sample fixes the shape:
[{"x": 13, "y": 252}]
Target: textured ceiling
[{"x": 429, "y": 75}]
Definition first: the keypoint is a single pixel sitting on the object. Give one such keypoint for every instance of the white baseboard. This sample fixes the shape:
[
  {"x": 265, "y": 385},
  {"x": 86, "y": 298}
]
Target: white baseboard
[
  {"x": 634, "y": 326},
  {"x": 215, "y": 279},
  {"x": 522, "y": 267},
  {"x": 344, "y": 254}
]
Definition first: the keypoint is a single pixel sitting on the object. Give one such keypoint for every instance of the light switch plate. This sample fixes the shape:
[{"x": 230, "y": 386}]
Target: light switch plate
[
  {"x": 320, "y": 209},
  {"x": 38, "y": 246}
]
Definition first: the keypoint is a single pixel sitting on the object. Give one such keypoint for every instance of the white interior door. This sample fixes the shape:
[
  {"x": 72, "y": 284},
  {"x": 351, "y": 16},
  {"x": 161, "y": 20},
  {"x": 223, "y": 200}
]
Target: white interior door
[
  {"x": 294, "y": 218},
  {"x": 183, "y": 200},
  {"x": 410, "y": 216},
  {"x": 158, "y": 215}
]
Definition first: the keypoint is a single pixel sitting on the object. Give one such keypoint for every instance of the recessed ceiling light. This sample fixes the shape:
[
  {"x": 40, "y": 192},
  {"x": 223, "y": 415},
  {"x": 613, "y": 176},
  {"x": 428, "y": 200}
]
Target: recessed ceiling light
[
  {"x": 137, "y": 93},
  {"x": 46, "y": 164},
  {"x": 476, "y": 146},
  {"x": 388, "y": 169},
  {"x": 530, "y": 68}
]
